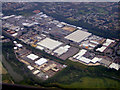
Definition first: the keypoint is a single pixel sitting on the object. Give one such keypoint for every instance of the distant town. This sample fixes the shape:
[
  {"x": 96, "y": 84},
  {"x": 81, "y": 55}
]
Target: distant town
[{"x": 59, "y": 39}]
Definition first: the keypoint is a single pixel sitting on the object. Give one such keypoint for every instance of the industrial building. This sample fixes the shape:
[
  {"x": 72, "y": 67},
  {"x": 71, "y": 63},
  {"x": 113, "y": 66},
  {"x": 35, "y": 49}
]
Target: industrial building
[
  {"x": 32, "y": 56},
  {"x": 61, "y": 50},
  {"x": 80, "y": 53},
  {"x": 41, "y": 67},
  {"x": 96, "y": 59},
  {"x": 49, "y": 43},
  {"x": 78, "y": 36},
  {"x": 115, "y": 66},
  {"x": 29, "y": 24},
  {"x": 30, "y": 67},
  {"x": 105, "y": 45},
  {"x": 80, "y": 56},
  {"x": 102, "y": 49},
  {"x": 91, "y": 42},
  {"x": 108, "y": 42},
  {"x": 7, "y": 17},
  {"x": 41, "y": 61}
]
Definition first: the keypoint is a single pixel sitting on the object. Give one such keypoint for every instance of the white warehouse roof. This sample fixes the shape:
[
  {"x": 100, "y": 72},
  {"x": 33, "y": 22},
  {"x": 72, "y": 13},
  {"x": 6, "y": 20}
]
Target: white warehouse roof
[
  {"x": 80, "y": 54},
  {"x": 85, "y": 60},
  {"x": 15, "y": 34},
  {"x": 78, "y": 36},
  {"x": 49, "y": 43},
  {"x": 62, "y": 49},
  {"x": 91, "y": 45},
  {"x": 18, "y": 16},
  {"x": 36, "y": 72},
  {"x": 115, "y": 66},
  {"x": 19, "y": 45},
  {"x": 94, "y": 42},
  {"x": 6, "y": 17},
  {"x": 101, "y": 49},
  {"x": 39, "y": 47},
  {"x": 108, "y": 42},
  {"x": 41, "y": 61},
  {"x": 96, "y": 59},
  {"x": 32, "y": 56},
  {"x": 30, "y": 67},
  {"x": 15, "y": 48},
  {"x": 14, "y": 42}
]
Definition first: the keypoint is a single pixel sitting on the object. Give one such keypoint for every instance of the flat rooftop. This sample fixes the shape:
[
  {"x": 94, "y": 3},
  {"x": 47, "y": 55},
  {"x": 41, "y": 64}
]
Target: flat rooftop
[
  {"x": 49, "y": 43},
  {"x": 78, "y": 36}
]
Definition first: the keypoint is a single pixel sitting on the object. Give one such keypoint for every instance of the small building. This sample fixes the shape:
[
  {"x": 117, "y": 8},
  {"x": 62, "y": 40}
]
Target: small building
[
  {"x": 15, "y": 42},
  {"x": 84, "y": 60},
  {"x": 96, "y": 59},
  {"x": 19, "y": 45},
  {"x": 30, "y": 67},
  {"x": 15, "y": 48},
  {"x": 94, "y": 42},
  {"x": 102, "y": 49},
  {"x": 39, "y": 47},
  {"x": 41, "y": 61},
  {"x": 115, "y": 66},
  {"x": 108, "y": 42},
  {"x": 32, "y": 56},
  {"x": 15, "y": 34},
  {"x": 80, "y": 54},
  {"x": 7, "y": 17},
  {"x": 36, "y": 72}
]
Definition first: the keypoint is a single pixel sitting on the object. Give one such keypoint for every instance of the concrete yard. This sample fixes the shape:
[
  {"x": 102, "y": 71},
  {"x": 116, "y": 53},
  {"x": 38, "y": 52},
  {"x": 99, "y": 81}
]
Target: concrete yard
[{"x": 70, "y": 52}]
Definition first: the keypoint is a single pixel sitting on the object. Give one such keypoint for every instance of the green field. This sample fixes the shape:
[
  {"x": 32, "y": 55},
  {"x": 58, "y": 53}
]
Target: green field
[
  {"x": 2, "y": 69},
  {"x": 88, "y": 82}
]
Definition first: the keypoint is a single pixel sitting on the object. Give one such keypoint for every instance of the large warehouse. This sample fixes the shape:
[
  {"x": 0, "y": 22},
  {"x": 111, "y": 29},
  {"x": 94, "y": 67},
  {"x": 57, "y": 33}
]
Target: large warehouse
[
  {"x": 78, "y": 36},
  {"x": 49, "y": 43}
]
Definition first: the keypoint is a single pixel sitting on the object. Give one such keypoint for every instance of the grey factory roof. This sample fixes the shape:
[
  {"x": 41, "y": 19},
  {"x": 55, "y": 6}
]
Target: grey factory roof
[
  {"x": 105, "y": 62},
  {"x": 49, "y": 43},
  {"x": 78, "y": 36}
]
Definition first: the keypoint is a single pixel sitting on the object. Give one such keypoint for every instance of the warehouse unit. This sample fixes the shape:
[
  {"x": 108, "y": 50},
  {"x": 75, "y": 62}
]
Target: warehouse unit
[
  {"x": 86, "y": 57},
  {"x": 78, "y": 36},
  {"x": 96, "y": 59},
  {"x": 61, "y": 50},
  {"x": 41, "y": 61},
  {"x": 80, "y": 54},
  {"x": 32, "y": 56},
  {"x": 115, "y": 66},
  {"x": 49, "y": 43},
  {"x": 84, "y": 60},
  {"x": 30, "y": 67},
  {"x": 7, "y": 17},
  {"x": 102, "y": 49},
  {"x": 108, "y": 42}
]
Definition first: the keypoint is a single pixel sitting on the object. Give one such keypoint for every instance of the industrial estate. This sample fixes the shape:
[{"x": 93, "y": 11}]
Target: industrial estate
[{"x": 59, "y": 39}]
